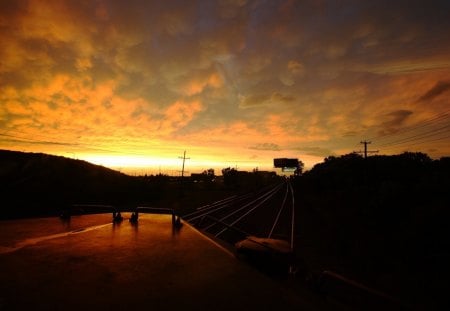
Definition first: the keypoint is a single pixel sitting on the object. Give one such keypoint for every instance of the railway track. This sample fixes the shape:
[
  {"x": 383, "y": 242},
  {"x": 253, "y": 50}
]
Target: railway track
[{"x": 267, "y": 213}]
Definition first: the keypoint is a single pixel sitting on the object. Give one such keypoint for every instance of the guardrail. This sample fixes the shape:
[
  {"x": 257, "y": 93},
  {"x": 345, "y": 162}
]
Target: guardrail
[
  {"x": 116, "y": 212},
  {"x": 176, "y": 221}
]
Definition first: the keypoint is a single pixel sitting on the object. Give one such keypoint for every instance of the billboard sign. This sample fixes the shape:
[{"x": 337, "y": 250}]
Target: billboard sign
[{"x": 285, "y": 163}]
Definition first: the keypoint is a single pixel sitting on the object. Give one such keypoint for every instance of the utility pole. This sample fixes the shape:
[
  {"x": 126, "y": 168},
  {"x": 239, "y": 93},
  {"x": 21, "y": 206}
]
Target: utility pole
[
  {"x": 182, "y": 173},
  {"x": 184, "y": 159},
  {"x": 365, "y": 152}
]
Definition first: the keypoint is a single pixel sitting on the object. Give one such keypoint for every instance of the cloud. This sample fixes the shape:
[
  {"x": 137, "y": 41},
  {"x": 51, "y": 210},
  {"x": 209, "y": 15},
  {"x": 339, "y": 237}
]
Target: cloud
[
  {"x": 266, "y": 146},
  {"x": 16, "y": 140},
  {"x": 197, "y": 85},
  {"x": 178, "y": 115},
  {"x": 350, "y": 134},
  {"x": 295, "y": 67},
  {"x": 253, "y": 100},
  {"x": 315, "y": 151},
  {"x": 439, "y": 88},
  {"x": 265, "y": 99},
  {"x": 227, "y": 74},
  {"x": 393, "y": 121}
]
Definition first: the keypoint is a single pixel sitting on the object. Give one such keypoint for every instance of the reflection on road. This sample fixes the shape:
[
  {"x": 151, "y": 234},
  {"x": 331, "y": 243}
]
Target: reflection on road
[
  {"x": 32, "y": 241},
  {"x": 17, "y": 234}
]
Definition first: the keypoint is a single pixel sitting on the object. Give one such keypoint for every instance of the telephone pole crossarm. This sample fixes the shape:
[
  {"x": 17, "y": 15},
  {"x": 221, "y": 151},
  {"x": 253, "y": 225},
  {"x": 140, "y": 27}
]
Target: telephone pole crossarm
[
  {"x": 365, "y": 152},
  {"x": 184, "y": 159}
]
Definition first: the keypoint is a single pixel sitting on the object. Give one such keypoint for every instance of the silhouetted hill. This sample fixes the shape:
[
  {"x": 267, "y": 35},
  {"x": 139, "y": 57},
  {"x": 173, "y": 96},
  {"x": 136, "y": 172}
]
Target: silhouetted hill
[
  {"x": 40, "y": 184},
  {"x": 36, "y": 184}
]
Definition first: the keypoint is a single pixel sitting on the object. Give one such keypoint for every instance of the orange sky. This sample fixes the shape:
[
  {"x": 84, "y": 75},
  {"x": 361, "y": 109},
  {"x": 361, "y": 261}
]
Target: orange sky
[{"x": 235, "y": 83}]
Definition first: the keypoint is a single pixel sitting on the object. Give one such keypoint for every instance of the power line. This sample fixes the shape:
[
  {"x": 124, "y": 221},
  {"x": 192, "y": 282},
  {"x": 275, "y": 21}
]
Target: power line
[
  {"x": 418, "y": 143},
  {"x": 430, "y": 130},
  {"x": 431, "y": 121},
  {"x": 418, "y": 137}
]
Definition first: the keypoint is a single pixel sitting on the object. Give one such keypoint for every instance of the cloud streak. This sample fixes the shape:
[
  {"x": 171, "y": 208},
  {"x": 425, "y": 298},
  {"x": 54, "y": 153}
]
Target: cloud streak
[{"x": 440, "y": 88}]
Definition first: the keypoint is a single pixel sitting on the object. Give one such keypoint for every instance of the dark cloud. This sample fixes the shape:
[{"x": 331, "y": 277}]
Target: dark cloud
[
  {"x": 282, "y": 98},
  {"x": 265, "y": 99},
  {"x": 393, "y": 121},
  {"x": 440, "y": 88},
  {"x": 315, "y": 151},
  {"x": 254, "y": 100},
  {"x": 266, "y": 146},
  {"x": 350, "y": 134},
  {"x": 15, "y": 139},
  {"x": 398, "y": 117}
]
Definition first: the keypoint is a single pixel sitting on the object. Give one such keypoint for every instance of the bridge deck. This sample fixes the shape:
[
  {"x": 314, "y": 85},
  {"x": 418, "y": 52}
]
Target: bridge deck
[{"x": 88, "y": 262}]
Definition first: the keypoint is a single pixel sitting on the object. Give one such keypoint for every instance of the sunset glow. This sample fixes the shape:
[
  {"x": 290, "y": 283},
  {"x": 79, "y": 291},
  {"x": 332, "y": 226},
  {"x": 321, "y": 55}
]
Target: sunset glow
[{"x": 133, "y": 84}]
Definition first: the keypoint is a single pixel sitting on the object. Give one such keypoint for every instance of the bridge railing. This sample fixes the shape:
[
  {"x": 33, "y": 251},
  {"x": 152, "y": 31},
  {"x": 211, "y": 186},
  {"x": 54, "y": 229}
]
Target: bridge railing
[
  {"x": 80, "y": 209},
  {"x": 176, "y": 221}
]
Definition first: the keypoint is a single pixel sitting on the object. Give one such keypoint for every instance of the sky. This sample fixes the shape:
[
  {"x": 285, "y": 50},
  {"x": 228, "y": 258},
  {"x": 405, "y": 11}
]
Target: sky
[{"x": 133, "y": 84}]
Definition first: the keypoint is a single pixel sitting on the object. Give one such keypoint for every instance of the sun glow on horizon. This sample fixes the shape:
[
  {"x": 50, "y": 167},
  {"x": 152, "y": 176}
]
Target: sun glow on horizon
[
  {"x": 141, "y": 164},
  {"x": 194, "y": 163},
  {"x": 130, "y": 161}
]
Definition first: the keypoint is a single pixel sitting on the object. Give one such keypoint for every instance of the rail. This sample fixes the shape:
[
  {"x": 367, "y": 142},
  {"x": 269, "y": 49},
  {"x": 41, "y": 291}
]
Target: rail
[{"x": 216, "y": 220}]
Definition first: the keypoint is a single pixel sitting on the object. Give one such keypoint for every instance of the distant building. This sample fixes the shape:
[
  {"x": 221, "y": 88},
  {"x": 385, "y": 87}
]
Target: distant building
[{"x": 206, "y": 176}]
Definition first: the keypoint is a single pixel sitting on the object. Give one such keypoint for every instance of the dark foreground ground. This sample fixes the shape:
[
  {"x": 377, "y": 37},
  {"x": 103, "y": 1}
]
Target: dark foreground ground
[
  {"x": 89, "y": 262},
  {"x": 382, "y": 221}
]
